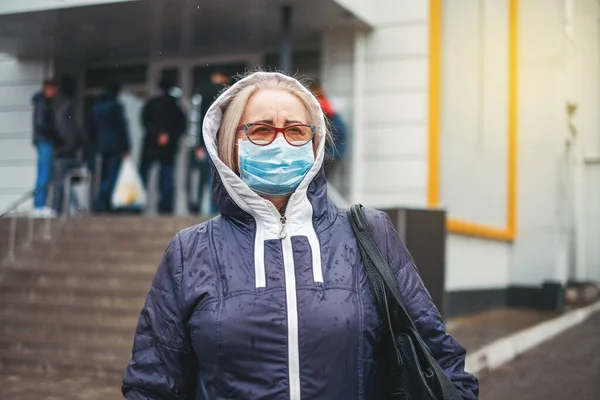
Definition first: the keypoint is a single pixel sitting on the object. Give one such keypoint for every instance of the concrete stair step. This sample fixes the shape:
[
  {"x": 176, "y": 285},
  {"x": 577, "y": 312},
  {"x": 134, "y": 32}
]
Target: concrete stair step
[
  {"x": 93, "y": 270},
  {"x": 71, "y": 304},
  {"x": 85, "y": 267},
  {"x": 68, "y": 321},
  {"x": 78, "y": 255},
  {"x": 33, "y": 285},
  {"x": 75, "y": 280},
  {"x": 86, "y": 342},
  {"x": 144, "y": 224},
  {"x": 14, "y": 358},
  {"x": 153, "y": 241},
  {"x": 80, "y": 296},
  {"x": 27, "y": 303}
]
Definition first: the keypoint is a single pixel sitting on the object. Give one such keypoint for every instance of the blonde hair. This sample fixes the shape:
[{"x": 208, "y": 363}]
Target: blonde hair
[{"x": 234, "y": 109}]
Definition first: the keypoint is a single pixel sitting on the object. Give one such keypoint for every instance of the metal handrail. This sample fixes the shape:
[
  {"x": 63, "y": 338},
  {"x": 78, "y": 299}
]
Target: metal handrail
[
  {"x": 12, "y": 212},
  {"x": 17, "y": 203}
]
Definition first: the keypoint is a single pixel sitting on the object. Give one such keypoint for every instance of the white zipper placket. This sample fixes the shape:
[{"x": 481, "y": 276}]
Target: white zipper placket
[{"x": 292, "y": 304}]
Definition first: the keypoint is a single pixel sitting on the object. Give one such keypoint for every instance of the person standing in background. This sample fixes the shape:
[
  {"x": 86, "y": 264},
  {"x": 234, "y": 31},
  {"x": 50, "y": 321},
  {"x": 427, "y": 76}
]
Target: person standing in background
[
  {"x": 334, "y": 150},
  {"x": 44, "y": 135},
  {"x": 164, "y": 123},
  {"x": 112, "y": 142},
  {"x": 199, "y": 159},
  {"x": 69, "y": 143}
]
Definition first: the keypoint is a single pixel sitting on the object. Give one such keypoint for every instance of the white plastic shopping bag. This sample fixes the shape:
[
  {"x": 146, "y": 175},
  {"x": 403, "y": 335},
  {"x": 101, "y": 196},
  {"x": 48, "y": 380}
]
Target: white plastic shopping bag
[{"x": 129, "y": 191}]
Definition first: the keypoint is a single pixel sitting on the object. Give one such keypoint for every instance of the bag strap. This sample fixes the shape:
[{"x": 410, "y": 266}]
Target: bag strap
[
  {"x": 378, "y": 270},
  {"x": 382, "y": 282}
]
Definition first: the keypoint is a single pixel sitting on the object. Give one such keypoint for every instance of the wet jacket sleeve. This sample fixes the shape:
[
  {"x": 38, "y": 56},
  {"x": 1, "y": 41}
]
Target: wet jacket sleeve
[
  {"x": 449, "y": 354},
  {"x": 161, "y": 366}
]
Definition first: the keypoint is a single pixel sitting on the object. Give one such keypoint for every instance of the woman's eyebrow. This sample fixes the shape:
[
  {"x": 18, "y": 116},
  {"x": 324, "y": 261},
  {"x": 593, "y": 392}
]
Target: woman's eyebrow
[{"x": 287, "y": 121}]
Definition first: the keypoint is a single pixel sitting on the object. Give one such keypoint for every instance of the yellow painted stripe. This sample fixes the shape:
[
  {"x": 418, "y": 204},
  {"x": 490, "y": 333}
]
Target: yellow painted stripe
[
  {"x": 513, "y": 98},
  {"x": 435, "y": 87},
  {"x": 456, "y": 226},
  {"x": 480, "y": 231}
]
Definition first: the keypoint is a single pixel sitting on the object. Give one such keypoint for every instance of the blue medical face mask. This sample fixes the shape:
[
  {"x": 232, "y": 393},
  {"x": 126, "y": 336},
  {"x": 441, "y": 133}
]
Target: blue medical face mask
[{"x": 275, "y": 170}]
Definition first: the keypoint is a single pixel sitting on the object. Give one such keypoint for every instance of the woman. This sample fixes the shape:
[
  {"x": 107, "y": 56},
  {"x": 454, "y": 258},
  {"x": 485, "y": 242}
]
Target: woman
[{"x": 270, "y": 300}]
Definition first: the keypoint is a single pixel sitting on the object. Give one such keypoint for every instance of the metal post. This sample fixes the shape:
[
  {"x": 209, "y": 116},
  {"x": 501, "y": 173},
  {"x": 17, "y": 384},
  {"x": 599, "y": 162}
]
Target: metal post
[
  {"x": 285, "y": 56},
  {"x": 96, "y": 177},
  {"x": 47, "y": 223},
  {"x": 30, "y": 230},
  {"x": 48, "y": 229},
  {"x": 12, "y": 239},
  {"x": 66, "y": 206}
]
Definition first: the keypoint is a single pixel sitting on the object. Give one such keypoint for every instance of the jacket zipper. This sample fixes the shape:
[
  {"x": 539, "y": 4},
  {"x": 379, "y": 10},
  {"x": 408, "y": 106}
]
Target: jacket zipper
[
  {"x": 291, "y": 303},
  {"x": 282, "y": 231}
]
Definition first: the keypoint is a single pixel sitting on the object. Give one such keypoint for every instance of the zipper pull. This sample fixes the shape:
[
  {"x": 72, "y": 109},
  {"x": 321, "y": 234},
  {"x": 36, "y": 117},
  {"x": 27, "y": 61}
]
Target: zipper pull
[{"x": 282, "y": 232}]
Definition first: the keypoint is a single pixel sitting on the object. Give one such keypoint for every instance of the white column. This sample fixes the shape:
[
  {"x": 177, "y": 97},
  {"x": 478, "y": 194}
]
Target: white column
[{"x": 358, "y": 123}]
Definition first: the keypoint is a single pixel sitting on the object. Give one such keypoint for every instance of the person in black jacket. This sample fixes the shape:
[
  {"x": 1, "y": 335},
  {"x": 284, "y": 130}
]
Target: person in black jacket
[
  {"x": 44, "y": 135},
  {"x": 70, "y": 141},
  {"x": 111, "y": 142},
  {"x": 164, "y": 123},
  {"x": 199, "y": 160}
]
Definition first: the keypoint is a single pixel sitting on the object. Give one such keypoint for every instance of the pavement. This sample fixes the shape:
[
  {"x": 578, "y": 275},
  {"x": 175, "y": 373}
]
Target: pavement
[
  {"x": 18, "y": 387},
  {"x": 564, "y": 368},
  {"x": 477, "y": 330}
]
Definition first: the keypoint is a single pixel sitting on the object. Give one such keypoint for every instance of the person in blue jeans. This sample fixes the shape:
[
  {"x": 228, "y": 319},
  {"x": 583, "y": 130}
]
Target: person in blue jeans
[
  {"x": 164, "y": 123},
  {"x": 200, "y": 161},
  {"x": 44, "y": 135},
  {"x": 112, "y": 142}
]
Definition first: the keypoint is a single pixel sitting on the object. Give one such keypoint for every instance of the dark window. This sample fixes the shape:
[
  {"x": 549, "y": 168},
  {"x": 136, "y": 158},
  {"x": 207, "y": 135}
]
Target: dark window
[
  {"x": 125, "y": 75},
  {"x": 201, "y": 75},
  {"x": 302, "y": 61},
  {"x": 171, "y": 75}
]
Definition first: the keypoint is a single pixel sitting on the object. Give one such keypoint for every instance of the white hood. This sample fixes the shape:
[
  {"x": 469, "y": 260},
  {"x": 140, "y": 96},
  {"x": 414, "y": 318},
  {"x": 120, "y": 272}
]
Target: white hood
[{"x": 268, "y": 220}]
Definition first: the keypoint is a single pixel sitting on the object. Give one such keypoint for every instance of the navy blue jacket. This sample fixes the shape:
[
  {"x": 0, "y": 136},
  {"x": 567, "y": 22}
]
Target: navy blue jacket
[
  {"x": 70, "y": 140},
  {"x": 250, "y": 305},
  {"x": 110, "y": 131},
  {"x": 44, "y": 119}
]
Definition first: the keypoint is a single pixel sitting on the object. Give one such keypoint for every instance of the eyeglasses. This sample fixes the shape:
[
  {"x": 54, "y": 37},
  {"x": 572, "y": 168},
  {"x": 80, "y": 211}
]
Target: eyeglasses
[{"x": 262, "y": 134}]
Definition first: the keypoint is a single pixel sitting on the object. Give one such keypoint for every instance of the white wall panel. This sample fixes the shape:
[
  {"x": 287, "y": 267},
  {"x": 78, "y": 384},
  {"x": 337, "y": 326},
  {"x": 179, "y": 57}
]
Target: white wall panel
[
  {"x": 398, "y": 42},
  {"x": 475, "y": 264},
  {"x": 19, "y": 80},
  {"x": 395, "y": 108},
  {"x": 390, "y": 12},
  {"x": 406, "y": 140},
  {"x": 394, "y": 174},
  {"x": 393, "y": 75},
  {"x": 17, "y": 96},
  {"x": 15, "y": 122}
]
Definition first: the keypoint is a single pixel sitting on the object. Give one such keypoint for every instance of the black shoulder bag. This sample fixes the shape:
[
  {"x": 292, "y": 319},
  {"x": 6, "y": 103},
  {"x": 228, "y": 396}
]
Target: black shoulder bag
[{"x": 414, "y": 374}]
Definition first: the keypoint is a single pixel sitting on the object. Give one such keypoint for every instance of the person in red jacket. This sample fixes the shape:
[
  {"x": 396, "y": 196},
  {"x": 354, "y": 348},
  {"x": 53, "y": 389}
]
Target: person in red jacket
[{"x": 336, "y": 148}]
